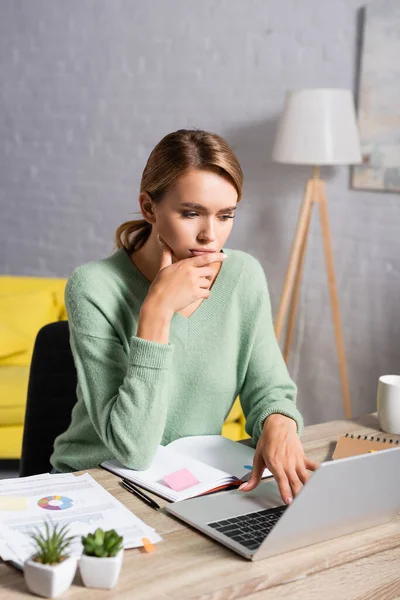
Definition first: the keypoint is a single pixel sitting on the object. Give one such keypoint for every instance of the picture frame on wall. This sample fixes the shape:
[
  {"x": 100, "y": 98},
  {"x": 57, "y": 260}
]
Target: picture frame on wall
[{"x": 378, "y": 99}]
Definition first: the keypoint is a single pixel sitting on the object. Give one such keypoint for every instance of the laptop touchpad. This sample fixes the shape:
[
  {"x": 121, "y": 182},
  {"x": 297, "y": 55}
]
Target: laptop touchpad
[{"x": 229, "y": 504}]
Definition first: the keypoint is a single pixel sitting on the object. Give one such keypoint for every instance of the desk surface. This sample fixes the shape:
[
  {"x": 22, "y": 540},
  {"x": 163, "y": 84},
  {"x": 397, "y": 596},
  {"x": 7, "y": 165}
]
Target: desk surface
[{"x": 188, "y": 565}]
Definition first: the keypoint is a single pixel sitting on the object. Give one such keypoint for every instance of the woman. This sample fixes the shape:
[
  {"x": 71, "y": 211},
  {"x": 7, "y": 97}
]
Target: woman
[{"x": 165, "y": 333}]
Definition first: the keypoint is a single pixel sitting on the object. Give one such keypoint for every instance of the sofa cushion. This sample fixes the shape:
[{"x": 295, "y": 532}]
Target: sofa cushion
[
  {"x": 11, "y": 441},
  {"x": 26, "y": 313},
  {"x": 14, "y": 284},
  {"x": 11, "y": 342},
  {"x": 13, "y": 394}
]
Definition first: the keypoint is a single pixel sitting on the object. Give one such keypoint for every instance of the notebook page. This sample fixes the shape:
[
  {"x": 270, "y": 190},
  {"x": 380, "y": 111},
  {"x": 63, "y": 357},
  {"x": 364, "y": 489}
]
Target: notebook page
[
  {"x": 165, "y": 462},
  {"x": 218, "y": 452}
]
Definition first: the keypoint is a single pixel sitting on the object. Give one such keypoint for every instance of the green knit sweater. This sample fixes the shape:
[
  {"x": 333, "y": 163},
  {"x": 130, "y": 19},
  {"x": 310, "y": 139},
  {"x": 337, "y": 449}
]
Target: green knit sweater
[{"x": 134, "y": 394}]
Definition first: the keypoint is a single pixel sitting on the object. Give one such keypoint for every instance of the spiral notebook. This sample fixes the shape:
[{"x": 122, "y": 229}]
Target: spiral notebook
[{"x": 351, "y": 444}]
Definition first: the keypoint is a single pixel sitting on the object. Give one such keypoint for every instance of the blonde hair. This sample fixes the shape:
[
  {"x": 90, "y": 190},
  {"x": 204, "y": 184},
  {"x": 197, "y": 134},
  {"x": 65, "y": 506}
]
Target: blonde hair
[{"x": 173, "y": 156}]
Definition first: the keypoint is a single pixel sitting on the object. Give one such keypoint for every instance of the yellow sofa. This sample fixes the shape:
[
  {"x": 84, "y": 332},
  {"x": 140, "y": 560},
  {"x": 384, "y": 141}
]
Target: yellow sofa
[{"x": 26, "y": 305}]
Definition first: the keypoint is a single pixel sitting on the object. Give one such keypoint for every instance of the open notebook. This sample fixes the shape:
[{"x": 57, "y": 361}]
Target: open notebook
[{"x": 191, "y": 466}]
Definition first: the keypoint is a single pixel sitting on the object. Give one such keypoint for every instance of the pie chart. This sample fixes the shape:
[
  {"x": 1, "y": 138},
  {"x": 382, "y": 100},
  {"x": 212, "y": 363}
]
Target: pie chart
[{"x": 55, "y": 502}]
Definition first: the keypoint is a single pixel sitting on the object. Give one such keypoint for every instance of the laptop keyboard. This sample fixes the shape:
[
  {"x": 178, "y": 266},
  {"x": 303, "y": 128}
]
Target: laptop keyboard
[{"x": 250, "y": 529}]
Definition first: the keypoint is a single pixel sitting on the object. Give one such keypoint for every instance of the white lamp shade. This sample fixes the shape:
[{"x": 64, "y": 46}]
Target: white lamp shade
[{"x": 318, "y": 127}]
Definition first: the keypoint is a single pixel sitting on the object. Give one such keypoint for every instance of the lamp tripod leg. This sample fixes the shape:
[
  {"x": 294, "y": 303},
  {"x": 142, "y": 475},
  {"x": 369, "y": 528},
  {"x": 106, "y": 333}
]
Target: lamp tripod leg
[
  {"x": 334, "y": 298},
  {"x": 299, "y": 274},
  {"x": 295, "y": 255}
]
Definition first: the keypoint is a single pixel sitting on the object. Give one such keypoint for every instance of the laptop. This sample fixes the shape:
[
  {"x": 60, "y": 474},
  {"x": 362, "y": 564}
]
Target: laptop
[{"x": 341, "y": 497}]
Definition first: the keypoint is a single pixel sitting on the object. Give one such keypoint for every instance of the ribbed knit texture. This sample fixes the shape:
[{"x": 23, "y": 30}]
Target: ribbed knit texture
[{"x": 134, "y": 394}]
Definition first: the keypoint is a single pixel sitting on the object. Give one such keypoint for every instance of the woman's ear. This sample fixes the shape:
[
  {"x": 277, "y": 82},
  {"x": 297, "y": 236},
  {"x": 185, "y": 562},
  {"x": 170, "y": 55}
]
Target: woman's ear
[{"x": 147, "y": 207}]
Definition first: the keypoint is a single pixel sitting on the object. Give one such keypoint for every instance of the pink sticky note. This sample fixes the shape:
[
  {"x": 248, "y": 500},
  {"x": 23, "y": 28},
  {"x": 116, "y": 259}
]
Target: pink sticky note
[{"x": 180, "y": 480}]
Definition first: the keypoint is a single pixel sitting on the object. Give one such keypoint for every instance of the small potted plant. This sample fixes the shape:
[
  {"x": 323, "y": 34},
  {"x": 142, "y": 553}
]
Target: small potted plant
[
  {"x": 101, "y": 560},
  {"x": 50, "y": 570}
]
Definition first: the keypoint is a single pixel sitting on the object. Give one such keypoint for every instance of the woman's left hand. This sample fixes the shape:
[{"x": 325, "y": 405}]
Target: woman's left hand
[{"x": 280, "y": 450}]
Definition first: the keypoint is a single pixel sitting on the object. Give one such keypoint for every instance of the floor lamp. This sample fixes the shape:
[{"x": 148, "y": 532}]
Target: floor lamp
[{"x": 317, "y": 127}]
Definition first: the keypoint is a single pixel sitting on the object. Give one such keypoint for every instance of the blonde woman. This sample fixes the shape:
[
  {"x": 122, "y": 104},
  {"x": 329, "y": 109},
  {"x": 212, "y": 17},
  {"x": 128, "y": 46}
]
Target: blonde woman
[{"x": 172, "y": 327}]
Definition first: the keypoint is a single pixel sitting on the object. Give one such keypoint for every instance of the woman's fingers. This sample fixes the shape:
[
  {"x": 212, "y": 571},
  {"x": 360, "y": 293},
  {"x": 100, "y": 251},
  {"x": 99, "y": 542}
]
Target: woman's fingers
[
  {"x": 206, "y": 272},
  {"x": 311, "y": 465},
  {"x": 207, "y": 259},
  {"x": 205, "y": 277},
  {"x": 166, "y": 253},
  {"x": 256, "y": 474},
  {"x": 294, "y": 482},
  {"x": 204, "y": 283},
  {"x": 284, "y": 486},
  {"x": 303, "y": 474},
  {"x": 290, "y": 480}
]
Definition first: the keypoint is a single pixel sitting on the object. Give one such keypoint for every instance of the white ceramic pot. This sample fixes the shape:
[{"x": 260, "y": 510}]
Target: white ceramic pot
[
  {"x": 47, "y": 580},
  {"x": 101, "y": 572}
]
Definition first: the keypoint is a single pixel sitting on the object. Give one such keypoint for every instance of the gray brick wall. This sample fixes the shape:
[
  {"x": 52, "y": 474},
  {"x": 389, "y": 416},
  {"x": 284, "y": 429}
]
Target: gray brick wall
[{"x": 89, "y": 86}]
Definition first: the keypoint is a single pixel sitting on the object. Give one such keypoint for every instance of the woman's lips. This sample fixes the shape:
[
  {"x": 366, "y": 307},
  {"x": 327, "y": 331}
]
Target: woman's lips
[{"x": 202, "y": 252}]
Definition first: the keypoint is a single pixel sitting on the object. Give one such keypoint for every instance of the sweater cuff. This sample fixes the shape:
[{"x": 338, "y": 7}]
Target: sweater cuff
[
  {"x": 153, "y": 355},
  {"x": 283, "y": 407}
]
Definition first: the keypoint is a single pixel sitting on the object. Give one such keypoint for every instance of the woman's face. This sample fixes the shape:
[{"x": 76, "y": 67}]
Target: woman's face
[{"x": 196, "y": 213}]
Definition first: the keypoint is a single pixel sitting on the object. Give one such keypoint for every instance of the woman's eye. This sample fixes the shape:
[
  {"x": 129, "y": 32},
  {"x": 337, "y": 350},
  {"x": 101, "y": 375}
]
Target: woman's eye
[{"x": 191, "y": 215}]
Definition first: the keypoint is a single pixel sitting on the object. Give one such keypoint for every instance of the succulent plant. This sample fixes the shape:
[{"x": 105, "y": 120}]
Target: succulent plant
[
  {"x": 102, "y": 543},
  {"x": 52, "y": 545}
]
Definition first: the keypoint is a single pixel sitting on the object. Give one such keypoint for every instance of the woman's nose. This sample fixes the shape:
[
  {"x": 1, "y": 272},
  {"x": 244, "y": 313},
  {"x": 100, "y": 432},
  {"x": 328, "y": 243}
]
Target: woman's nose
[{"x": 208, "y": 231}]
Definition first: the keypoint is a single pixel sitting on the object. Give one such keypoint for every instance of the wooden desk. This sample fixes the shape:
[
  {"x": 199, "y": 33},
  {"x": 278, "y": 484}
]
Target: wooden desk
[{"x": 188, "y": 565}]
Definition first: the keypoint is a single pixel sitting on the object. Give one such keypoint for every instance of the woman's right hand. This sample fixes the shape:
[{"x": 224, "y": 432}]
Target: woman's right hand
[{"x": 179, "y": 284}]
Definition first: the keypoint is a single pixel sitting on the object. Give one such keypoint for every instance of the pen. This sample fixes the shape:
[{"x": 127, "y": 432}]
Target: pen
[{"x": 131, "y": 488}]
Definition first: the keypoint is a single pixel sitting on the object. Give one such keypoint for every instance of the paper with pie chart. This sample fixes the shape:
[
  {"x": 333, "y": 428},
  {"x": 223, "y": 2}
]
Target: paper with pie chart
[{"x": 77, "y": 501}]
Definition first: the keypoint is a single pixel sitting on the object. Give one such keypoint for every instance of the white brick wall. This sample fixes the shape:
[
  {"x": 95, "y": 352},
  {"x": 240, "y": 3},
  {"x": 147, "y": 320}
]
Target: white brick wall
[{"x": 88, "y": 87}]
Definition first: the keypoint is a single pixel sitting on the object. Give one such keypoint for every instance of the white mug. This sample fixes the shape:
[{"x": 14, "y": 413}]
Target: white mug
[{"x": 388, "y": 403}]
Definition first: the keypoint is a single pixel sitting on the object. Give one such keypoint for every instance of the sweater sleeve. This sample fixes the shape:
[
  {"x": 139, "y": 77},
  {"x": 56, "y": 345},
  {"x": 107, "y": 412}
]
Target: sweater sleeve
[
  {"x": 125, "y": 394},
  {"x": 267, "y": 387}
]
